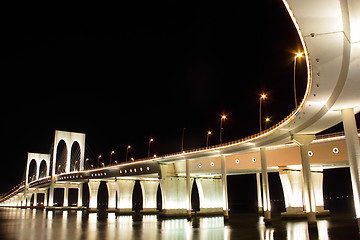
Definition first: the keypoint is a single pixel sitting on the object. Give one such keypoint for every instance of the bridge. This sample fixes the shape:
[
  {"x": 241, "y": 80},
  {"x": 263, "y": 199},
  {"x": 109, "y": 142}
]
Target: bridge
[{"x": 328, "y": 30}]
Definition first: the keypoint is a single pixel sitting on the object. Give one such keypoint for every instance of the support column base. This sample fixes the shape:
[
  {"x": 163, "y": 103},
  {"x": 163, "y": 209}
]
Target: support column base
[
  {"x": 149, "y": 211},
  {"x": 111, "y": 210},
  {"x": 92, "y": 210},
  {"x": 267, "y": 217},
  {"x": 173, "y": 213},
  {"x": 226, "y": 215},
  {"x": 312, "y": 224},
  {"x": 124, "y": 211},
  {"x": 211, "y": 211},
  {"x": 298, "y": 212},
  {"x": 311, "y": 217}
]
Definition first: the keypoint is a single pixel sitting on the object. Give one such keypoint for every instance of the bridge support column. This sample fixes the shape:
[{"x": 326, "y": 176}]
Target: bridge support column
[
  {"x": 149, "y": 191},
  {"x": 353, "y": 149},
  {"x": 46, "y": 198},
  {"x": 210, "y": 194},
  {"x": 303, "y": 142},
  {"x": 93, "y": 192},
  {"x": 265, "y": 186},
  {"x": 35, "y": 199},
  {"x": 259, "y": 198},
  {"x": 112, "y": 187},
  {"x": 51, "y": 193},
  {"x": 292, "y": 184},
  {"x": 188, "y": 188},
  {"x": 224, "y": 187},
  {"x": 174, "y": 196},
  {"x": 23, "y": 200},
  {"x": 66, "y": 196},
  {"x": 28, "y": 199},
  {"x": 125, "y": 191},
  {"x": 79, "y": 200}
]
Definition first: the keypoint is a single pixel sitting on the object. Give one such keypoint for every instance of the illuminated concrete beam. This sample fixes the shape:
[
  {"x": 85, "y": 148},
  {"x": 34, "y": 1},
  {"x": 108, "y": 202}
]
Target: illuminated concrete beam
[
  {"x": 188, "y": 188},
  {"x": 125, "y": 190},
  {"x": 353, "y": 149},
  {"x": 224, "y": 187},
  {"x": 66, "y": 195},
  {"x": 258, "y": 188},
  {"x": 149, "y": 191},
  {"x": 265, "y": 186},
  {"x": 210, "y": 194},
  {"x": 79, "y": 200},
  {"x": 35, "y": 198}
]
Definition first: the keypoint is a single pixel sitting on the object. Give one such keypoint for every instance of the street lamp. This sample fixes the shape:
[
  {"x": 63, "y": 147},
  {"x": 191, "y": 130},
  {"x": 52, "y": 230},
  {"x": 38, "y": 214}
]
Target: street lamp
[
  {"x": 98, "y": 160},
  {"x": 262, "y": 97},
  {"x": 75, "y": 165},
  {"x": 223, "y": 117},
  {"x": 267, "y": 120},
  {"x": 112, "y": 152},
  {"x": 127, "y": 151},
  {"x": 207, "y": 138},
  {"x": 297, "y": 55},
  {"x": 150, "y": 141}
]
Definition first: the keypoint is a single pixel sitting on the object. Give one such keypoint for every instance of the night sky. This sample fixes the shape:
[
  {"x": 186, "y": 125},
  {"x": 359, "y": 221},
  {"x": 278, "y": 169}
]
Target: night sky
[{"x": 123, "y": 74}]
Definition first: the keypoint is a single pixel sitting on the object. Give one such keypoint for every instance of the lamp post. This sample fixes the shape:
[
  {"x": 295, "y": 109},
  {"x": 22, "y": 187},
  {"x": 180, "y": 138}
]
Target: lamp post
[
  {"x": 150, "y": 141},
  {"x": 182, "y": 140},
  {"x": 127, "y": 151},
  {"x": 112, "y": 152},
  {"x": 207, "y": 138},
  {"x": 262, "y": 96},
  {"x": 98, "y": 160},
  {"x": 297, "y": 55},
  {"x": 223, "y": 117}
]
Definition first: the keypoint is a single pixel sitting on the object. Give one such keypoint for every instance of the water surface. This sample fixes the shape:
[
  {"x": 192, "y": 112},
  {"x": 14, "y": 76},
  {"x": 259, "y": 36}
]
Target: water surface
[{"x": 31, "y": 224}]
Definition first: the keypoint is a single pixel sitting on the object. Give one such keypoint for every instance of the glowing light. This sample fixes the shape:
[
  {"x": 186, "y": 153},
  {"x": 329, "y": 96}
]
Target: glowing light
[
  {"x": 263, "y": 96},
  {"x": 335, "y": 150},
  {"x": 299, "y": 55},
  {"x": 223, "y": 116},
  {"x": 209, "y": 133}
]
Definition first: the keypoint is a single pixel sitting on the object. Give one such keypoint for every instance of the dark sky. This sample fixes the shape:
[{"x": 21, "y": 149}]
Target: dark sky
[{"x": 123, "y": 74}]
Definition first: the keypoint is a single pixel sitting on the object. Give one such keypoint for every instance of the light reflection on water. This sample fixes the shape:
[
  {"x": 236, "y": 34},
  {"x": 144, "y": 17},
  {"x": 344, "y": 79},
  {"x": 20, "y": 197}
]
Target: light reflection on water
[{"x": 26, "y": 224}]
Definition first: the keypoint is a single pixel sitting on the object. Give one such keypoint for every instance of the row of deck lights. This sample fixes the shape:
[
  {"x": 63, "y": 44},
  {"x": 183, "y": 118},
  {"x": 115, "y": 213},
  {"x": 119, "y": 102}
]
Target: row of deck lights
[
  {"x": 237, "y": 161},
  {"x": 71, "y": 177}
]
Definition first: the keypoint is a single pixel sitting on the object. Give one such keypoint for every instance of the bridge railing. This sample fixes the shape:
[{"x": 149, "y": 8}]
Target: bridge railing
[{"x": 238, "y": 141}]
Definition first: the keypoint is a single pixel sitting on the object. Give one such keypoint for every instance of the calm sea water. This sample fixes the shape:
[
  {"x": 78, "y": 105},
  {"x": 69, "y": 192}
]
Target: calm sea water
[{"x": 29, "y": 224}]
